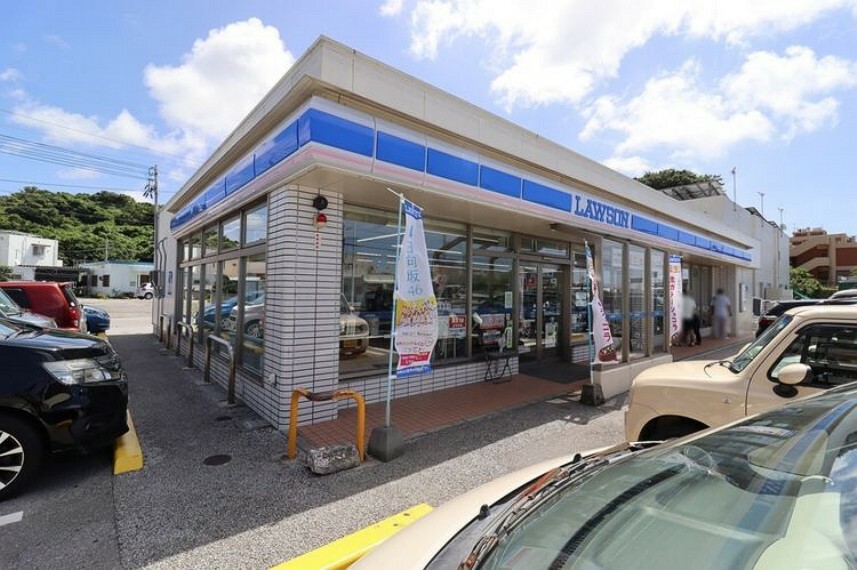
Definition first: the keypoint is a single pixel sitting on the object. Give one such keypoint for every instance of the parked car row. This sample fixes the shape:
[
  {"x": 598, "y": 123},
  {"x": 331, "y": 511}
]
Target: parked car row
[{"x": 60, "y": 389}]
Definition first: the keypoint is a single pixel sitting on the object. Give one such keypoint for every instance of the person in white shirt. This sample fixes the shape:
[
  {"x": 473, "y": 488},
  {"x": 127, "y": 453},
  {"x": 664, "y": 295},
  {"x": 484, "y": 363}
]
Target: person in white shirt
[{"x": 721, "y": 309}]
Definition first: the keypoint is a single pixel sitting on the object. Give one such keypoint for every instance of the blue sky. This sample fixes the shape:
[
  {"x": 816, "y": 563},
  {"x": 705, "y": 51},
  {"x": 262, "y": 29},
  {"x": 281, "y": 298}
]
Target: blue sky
[{"x": 768, "y": 87}]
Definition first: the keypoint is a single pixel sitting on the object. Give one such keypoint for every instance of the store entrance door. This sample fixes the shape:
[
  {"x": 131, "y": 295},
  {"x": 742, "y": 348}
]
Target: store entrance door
[{"x": 541, "y": 317}]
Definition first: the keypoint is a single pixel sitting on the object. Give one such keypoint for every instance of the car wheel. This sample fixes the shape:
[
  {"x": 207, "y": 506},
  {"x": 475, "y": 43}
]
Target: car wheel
[
  {"x": 21, "y": 454},
  {"x": 148, "y": 296},
  {"x": 253, "y": 329},
  {"x": 670, "y": 427}
]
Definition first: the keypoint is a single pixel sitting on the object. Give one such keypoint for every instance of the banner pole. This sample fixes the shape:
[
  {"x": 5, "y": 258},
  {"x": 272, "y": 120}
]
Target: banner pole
[
  {"x": 393, "y": 316},
  {"x": 589, "y": 310}
]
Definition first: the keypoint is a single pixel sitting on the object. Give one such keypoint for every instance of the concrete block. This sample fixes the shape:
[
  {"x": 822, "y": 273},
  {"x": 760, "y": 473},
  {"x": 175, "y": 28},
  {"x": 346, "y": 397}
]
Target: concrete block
[{"x": 333, "y": 458}]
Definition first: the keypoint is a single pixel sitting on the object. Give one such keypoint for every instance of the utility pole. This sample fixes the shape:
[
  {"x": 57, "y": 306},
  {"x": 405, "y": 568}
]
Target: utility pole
[
  {"x": 151, "y": 191},
  {"x": 734, "y": 189},
  {"x": 762, "y": 194}
]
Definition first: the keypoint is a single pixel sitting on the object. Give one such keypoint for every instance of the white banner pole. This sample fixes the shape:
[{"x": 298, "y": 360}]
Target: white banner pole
[{"x": 393, "y": 316}]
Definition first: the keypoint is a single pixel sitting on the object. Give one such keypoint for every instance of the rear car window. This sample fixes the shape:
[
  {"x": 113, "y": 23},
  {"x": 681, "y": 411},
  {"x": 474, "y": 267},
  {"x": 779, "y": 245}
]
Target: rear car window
[
  {"x": 18, "y": 296},
  {"x": 69, "y": 295}
]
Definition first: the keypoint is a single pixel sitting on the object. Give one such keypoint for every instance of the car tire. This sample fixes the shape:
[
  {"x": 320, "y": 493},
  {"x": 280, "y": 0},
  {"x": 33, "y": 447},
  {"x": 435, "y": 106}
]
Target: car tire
[
  {"x": 253, "y": 329},
  {"x": 148, "y": 296},
  {"x": 22, "y": 452}
]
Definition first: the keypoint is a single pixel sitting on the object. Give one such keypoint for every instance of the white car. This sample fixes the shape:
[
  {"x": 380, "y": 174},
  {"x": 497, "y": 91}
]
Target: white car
[
  {"x": 145, "y": 291},
  {"x": 353, "y": 330}
]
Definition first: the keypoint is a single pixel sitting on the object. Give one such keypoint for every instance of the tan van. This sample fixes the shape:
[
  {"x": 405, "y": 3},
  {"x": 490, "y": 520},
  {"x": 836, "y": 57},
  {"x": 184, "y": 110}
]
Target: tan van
[{"x": 809, "y": 349}]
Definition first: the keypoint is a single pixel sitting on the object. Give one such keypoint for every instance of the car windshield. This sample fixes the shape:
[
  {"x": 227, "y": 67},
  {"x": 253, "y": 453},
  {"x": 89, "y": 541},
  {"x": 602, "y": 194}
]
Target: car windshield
[
  {"x": 8, "y": 307},
  {"x": 775, "y": 491},
  {"x": 8, "y": 329},
  {"x": 746, "y": 356}
]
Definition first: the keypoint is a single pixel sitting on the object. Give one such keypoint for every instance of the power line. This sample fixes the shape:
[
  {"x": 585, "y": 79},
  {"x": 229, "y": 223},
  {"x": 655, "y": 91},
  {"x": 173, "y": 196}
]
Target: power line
[
  {"x": 148, "y": 149},
  {"x": 57, "y": 155}
]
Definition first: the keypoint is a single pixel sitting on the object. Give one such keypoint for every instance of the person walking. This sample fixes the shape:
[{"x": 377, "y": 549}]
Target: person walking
[
  {"x": 721, "y": 309},
  {"x": 688, "y": 311}
]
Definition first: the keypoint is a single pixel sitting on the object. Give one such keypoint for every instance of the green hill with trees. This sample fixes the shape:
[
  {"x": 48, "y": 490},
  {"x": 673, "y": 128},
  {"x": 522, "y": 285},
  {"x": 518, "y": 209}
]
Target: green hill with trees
[{"x": 87, "y": 226}]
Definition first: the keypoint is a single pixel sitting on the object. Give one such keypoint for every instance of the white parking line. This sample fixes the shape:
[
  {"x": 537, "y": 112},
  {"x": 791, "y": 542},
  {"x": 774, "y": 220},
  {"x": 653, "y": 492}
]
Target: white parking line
[{"x": 13, "y": 518}]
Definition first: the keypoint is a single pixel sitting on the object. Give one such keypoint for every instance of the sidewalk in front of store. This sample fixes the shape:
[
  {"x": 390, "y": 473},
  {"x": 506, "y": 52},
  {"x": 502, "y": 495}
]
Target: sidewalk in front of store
[{"x": 425, "y": 413}]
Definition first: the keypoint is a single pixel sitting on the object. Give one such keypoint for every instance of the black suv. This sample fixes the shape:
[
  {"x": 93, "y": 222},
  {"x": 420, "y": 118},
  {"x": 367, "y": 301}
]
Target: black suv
[{"x": 58, "y": 391}]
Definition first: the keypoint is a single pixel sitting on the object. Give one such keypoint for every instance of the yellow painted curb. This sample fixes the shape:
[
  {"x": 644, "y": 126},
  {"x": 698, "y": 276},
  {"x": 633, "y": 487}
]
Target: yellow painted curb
[
  {"x": 127, "y": 455},
  {"x": 345, "y": 551}
]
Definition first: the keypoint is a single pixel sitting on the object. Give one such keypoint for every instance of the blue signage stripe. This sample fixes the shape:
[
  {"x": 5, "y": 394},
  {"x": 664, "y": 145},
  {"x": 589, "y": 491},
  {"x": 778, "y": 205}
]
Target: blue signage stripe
[
  {"x": 403, "y": 152},
  {"x": 452, "y": 167},
  {"x": 277, "y": 148},
  {"x": 328, "y": 129},
  {"x": 238, "y": 177},
  {"x": 214, "y": 194},
  {"x": 642, "y": 224},
  {"x": 686, "y": 238},
  {"x": 318, "y": 126},
  {"x": 667, "y": 232},
  {"x": 546, "y": 196},
  {"x": 499, "y": 181}
]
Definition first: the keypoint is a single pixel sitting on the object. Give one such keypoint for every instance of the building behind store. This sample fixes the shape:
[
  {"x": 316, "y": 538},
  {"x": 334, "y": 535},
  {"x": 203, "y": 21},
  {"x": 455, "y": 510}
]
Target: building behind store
[{"x": 507, "y": 216}]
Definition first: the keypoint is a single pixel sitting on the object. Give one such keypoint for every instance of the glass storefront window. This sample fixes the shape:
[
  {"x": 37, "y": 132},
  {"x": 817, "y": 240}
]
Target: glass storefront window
[
  {"x": 657, "y": 279},
  {"x": 228, "y": 311},
  {"x": 256, "y": 226},
  {"x": 493, "y": 297},
  {"x": 579, "y": 296},
  {"x": 209, "y": 240},
  {"x": 195, "y": 296},
  {"x": 230, "y": 234},
  {"x": 253, "y": 327},
  {"x": 544, "y": 247},
  {"x": 209, "y": 294},
  {"x": 488, "y": 241},
  {"x": 184, "y": 250},
  {"x": 368, "y": 271},
  {"x": 446, "y": 245},
  {"x": 612, "y": 288},
  {"x": 637, "y": 301},
  {"x": 195, "y": 246}
]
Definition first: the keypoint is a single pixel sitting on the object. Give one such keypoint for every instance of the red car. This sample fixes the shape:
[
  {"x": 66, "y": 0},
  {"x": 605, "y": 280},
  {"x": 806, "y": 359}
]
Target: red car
[{"x": 55, "y": 300}]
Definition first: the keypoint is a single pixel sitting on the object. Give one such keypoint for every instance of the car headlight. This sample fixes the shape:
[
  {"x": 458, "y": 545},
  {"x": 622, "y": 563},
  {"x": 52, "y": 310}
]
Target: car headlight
[{"x": 83, "y": 371}]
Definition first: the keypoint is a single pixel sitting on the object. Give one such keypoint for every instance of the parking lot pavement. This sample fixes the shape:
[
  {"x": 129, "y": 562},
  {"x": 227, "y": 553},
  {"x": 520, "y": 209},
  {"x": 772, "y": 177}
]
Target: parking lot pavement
[{"x": 215, "y": 494}]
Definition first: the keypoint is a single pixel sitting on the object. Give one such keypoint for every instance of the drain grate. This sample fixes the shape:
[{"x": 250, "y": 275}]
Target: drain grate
[{"x": 215, "y": 460}]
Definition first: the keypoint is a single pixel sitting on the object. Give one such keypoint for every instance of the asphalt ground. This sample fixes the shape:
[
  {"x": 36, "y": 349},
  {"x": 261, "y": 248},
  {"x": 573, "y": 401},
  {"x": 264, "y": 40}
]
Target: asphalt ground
[{"x": 216, "y": 492}]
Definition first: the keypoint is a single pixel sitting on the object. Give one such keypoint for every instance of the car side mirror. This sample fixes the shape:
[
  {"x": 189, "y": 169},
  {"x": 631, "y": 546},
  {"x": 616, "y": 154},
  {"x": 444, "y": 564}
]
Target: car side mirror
[{"x": 788, "y": 377}]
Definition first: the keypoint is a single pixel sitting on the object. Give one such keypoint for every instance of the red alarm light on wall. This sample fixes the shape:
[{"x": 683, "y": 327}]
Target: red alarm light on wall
[{"x": 320, "y": 220}]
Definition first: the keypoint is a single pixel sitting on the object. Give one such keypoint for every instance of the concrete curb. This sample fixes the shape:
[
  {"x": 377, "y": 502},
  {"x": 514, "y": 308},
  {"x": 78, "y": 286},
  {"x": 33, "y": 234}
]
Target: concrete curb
[{"x": 127, "y": 454}]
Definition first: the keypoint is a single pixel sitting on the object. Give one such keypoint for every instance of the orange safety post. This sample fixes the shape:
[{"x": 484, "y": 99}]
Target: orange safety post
[{"x": 324, "y": 397}]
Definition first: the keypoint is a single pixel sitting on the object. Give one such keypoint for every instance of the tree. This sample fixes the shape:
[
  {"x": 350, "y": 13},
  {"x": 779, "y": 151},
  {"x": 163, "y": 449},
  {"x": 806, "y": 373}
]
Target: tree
[
  {"x": 5, "y": 273},
  {"x": 803, "y": 282},
  {"x": 670, "y": 177}
]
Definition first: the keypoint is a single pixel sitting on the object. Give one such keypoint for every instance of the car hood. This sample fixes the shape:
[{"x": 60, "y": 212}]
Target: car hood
[
  {"x": 423, "y": 539},
  {"x": 64, "y": 345},
  {"x": 29, "y": 318},
  {"x": 683, "y": 372}
]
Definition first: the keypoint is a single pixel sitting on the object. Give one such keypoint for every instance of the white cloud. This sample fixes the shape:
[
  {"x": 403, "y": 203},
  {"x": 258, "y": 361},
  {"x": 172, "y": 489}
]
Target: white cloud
[
  {"x": 560, "y": 51},
  {"x": 768, "y": 97},
  {"x": 221, "y": 79},
  {"x": 202, "y": 100},
  {"x": 77, "y": 174},
  {"x": 56, "y": 40},
  {"x": 10, "y": 74},
  {"x": 391, "y": 8},
  {"x": 629, "y": 165}
]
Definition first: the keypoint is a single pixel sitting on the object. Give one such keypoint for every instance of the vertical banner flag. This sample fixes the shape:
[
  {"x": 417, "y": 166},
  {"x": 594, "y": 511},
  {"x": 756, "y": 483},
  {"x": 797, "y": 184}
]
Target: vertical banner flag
[
  {"x": 675, "y": 298},
  {"x": 601, "y": 335},
  {"x": 416, "y": 305}
]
